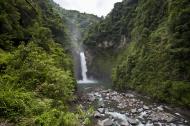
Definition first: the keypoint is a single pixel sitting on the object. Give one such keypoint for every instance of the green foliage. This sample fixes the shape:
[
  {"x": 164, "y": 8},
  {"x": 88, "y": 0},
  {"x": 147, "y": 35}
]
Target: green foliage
[
  {"x": 56, "y": 117},
  {"x": 36, "y": 72},
  {"x": 155, "y": 55}
]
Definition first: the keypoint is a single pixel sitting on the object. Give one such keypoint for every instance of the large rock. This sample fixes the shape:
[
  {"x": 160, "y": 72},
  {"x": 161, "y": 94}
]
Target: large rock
[{"x": 108, "y": 122}]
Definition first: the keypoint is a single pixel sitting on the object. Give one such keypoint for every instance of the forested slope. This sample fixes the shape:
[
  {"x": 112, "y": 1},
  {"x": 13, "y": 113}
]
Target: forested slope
[
  {"x": 36, "y": 72},
  {"x": 77, "y": 23},
  {"x": 150, "y": 39}
]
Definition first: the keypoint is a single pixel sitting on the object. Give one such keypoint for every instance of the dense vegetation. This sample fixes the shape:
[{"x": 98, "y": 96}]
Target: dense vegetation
[
  {"x": 77, "y": 23},
  {"x": 151, "y": 39},
  {"x": 36, "y": 72}
]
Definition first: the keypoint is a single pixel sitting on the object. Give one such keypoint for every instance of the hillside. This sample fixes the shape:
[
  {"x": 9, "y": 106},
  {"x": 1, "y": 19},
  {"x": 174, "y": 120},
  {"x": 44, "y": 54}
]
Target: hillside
[
  {"x": 150, "y": 40},
  {"x": 76, "y": 23},
  {"x": 36, "y": 70}
]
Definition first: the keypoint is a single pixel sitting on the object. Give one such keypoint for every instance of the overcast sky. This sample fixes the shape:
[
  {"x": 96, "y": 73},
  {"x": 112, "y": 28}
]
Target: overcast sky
[{"x": 97, "y": 7}]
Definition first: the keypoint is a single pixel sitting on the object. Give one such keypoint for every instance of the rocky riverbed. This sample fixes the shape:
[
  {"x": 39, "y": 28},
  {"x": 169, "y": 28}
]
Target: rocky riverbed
[{"x": 127, "y": 109}]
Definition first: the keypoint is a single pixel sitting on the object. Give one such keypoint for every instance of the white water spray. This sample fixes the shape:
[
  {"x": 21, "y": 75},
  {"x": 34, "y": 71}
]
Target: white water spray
[
  {"x": 83, "y": 66},
  {"x": 84, "y": 70}
]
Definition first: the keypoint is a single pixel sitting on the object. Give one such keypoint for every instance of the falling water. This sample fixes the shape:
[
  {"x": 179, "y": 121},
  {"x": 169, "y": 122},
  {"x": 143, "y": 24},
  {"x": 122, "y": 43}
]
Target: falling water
[
  {"x": 84, "y": 70},
  {"x": 83, "y": 66}
]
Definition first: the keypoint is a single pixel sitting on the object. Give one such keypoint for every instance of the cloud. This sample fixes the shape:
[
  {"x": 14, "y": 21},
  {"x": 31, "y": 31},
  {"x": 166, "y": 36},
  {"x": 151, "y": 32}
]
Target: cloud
[{"x": 97, "y": 7}]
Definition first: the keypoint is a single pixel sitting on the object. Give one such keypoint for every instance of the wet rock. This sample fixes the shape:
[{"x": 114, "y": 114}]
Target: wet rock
[
  {"x": 145, "y": 107},
  {"x": 107, "y": 122},
  {"x": 134, "y": 110},
  {"x": 127, "y": 114},
  {"x": 100, "y": 123},
  {"x": 105, "y": 91},
  {"x": 101, "y": 103},
  {"x": 173, "y": 124},
  {"x": 97, "y": 94},
  {"x": 101, "y": 110},
  {"x": 140, "y": 110},
  {"x": 143, "y": 115},
  {"x": 106, "y": 110},
  {"x": 142, "y": 120},
  {"x": 111, "y": 109},
  {"x": 169, "y": 119},
  {"x": 121, "y": 106},
  {"x": 160, "y": 108},
  {"x": 157, "y": 124},
  {"x": 132, "y": 121},
  {"x": 97, "y": 115},
  {"x": 124, "y": 123},
  {"x": 118, "y": 116},
  {"x": 107, "y": 98},
  {"x": 129, "y": 95},
  {"x": 177, "y": 114},
  {"x": 162, "y": 116},
  {"x": 91, "y": 97}
]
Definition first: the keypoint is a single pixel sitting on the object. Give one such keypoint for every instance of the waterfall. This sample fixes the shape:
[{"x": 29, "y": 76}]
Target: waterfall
[
  {"x": 83, "y": 66},
  {"x": 84, "y": 70}
]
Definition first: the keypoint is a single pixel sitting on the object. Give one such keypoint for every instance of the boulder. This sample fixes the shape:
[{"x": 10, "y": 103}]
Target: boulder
[{"x": 108, "y": 122}]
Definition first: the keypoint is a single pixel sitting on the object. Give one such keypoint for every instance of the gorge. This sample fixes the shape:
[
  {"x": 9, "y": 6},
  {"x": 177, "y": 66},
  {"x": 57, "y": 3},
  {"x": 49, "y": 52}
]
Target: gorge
[{"x": 62, "y": 67}]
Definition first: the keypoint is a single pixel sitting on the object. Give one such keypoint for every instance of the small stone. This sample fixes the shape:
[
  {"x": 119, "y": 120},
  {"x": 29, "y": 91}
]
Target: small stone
[
  {"x": 100, "y": 123},
  {"x": 132, "y": 121},
  {"x": 111, "y": 109},
  {"x": 108, "y": 122},
  {"x": 145, "y": 107},
  {"x": 172, "y": 124},
  {"x": 177, "y": 114},
  {"x": 160, "y": 108},
  {"x": 133, "y": 110},
  {"x": 127, "y": 114},
  {"x": 157, "y": 124},
  {"x": 101, "y": 103},
  {"x": 106, "y": 110},
  {"x": 124, "y": 123},
  {"x": 107, "y": 98},
  {"x": 97, "y": 115},
  {"x": 140, "y": 110},
  {"x": 97, "y": 94},
  {"x": 101, "y": 110},
  {"x": 91, "y": 97}
]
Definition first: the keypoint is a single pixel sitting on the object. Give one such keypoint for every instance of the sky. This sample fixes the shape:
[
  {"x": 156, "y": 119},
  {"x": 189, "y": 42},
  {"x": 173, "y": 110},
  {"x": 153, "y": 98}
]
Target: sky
[{"x": 96, "y": 7}]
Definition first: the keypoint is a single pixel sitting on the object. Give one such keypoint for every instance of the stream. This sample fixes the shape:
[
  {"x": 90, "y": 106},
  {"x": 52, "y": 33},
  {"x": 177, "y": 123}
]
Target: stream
[
  {"x": 126, "y": 109},
  {"x": 113, "y": 108}
]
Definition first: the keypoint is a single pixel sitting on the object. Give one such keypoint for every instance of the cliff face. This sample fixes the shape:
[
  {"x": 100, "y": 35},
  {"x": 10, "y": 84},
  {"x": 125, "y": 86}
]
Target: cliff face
[{"x": 146, "y": 44}]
